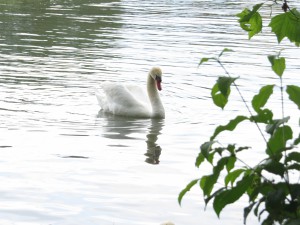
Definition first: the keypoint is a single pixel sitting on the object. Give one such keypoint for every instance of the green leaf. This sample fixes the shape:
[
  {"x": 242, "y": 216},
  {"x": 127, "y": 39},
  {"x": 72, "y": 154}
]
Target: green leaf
[
  {"x": 297, "y": 140},
  {"x": 232, "y": 176},
  {"x": 251, "y": 21},
  {"x": 263, "y": 116},
  {"x": 229, "y": 196},
  {"x": 292, "y": 222},
  {"x": 230, "y": 163},
  {"x": 270, "y": 128},
  {"x": 278, "y": 64},
  {"x": 262, "y": 97},
  {"x": 266, "y": 187},
  {"x": 275, "y": 167},
  {"x": 225, "y": 50},
  {"x": 200, "y": 158},
  {"x": 231, "y": 149},
  {"x": 207, "y": 182},
  {"x": 247, "y": 16},
  {"x": 213, "y": 195},
  {"x": 287, "y": 25},
  {"x": 203, "y": 60},
  {"x": 295, "y": 166},
  {"x": 268, "y": 221},
  {"x": 230, "y": 126},
  {"x": 224, "y": 84},
  {"x": 277, "y": 142},
  {"x": 221, "y": 90},
  {"x": 254, "y": 190},
  {"x": 255, "y": 25},
  {"x": 242, "y": 148},
  {"x": 247, "y": 210},
  {"x": 211, "y": 157},
  {"x": 205, "y": 148},
  {"x": 274, "y": 199},
  {"x": 186, "y": 189},
  {"x": 295, "y": 191},
  {"x": 257, "y": 205},
  {"x": 218, "y": 98},
  {"x": 293, "y": 156},
  {"x": 294, "y": 94}
]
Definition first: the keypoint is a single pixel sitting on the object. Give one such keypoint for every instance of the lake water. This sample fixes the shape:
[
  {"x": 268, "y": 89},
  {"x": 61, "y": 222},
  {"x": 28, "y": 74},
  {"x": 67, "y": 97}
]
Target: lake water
[{"x": 65, "y": 163}]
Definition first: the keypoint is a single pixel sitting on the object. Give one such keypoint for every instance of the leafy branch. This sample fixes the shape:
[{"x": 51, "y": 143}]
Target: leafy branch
[
  {"x": 284, "y": 25},
  {"x": 274, "y": 200},
  {"x": 255, "y": 181}
]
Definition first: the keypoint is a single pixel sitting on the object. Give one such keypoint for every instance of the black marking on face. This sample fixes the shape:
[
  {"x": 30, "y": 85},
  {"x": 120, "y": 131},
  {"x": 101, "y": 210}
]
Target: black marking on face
[{"x": 158, "y": 78}]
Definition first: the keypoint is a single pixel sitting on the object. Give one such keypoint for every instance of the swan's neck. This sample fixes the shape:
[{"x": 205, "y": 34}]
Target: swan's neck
[{"x": 156, "y": 104}]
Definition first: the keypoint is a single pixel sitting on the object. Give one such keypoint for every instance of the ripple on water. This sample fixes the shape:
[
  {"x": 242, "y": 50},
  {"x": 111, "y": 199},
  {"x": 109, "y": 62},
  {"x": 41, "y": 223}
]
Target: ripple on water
[{"x": 71, "y": 164}]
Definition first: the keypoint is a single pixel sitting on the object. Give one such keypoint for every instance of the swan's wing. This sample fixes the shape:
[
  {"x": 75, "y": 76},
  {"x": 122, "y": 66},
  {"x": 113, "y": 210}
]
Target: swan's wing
[
  {"x": 124, "y": 100},
  {"x": 119, "y": 94},
  {"x": 102, "y": 100},
  {"x": 139, "y": 93}
]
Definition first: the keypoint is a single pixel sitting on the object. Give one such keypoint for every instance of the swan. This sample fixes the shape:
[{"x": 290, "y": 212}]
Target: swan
[
  {"x": 131, "y": 100},
  {"x": 167, "y": 223}
]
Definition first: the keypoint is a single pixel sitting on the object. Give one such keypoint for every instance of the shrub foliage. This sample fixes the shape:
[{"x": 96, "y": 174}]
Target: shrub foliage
[{"x": 272, "y": 186}]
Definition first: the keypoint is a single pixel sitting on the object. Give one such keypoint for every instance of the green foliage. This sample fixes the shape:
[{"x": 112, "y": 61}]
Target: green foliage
[
  {"x": 274, "y": 124},
  {"x": 287, "y": 25},
  {"x": 251, "y": 21},
  {"x": 203, "y": 60},
  {"x": 221, "y": 91},
  {"x": 223, "y": 51},
  {"x": 230, "y": 126},
  {"x": 219, "y": 98},
  {"x": 278, "y": 64},
  {"x": 231, "y": 195},
  {"x": 294, "y": 94},
  {"x": 262, "y": 97},
  {"x": 232, "y": 176},
  {"x": 187, "y": 189},
  {"x": 278, "y": 141},
  {"x": 274, "y": 200},
  {"x": 280, "y": 201}
]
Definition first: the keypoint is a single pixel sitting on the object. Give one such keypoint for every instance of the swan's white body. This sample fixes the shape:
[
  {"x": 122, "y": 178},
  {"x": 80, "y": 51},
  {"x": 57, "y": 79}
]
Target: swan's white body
[{"x": 131, "y": 100}]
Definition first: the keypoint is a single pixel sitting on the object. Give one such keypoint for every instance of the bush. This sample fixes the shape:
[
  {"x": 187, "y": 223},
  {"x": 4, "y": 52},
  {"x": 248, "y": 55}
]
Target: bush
[{"x": 272, "y": 194}]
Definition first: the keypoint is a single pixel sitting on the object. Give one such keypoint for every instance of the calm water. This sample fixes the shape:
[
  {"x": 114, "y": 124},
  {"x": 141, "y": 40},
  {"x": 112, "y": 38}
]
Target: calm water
[{"x": 65, "y": 163}]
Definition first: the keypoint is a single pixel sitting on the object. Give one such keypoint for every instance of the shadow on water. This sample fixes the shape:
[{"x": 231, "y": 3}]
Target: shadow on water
[{"x": 124, "y": 128}]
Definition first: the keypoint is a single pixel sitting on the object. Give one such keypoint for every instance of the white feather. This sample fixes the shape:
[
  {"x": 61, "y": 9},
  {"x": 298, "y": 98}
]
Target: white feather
[{"x": 131, "y": 100}]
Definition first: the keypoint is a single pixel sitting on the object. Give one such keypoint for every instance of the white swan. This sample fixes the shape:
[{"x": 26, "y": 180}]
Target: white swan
[
  {"x": 131, "y": 100},
  {"x": 167, "y": 223}
]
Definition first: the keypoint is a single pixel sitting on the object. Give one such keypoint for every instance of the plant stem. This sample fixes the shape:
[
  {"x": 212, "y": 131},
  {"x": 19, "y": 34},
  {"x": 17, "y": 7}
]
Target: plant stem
[
  {"x": 244, "y": 101},
  {"x": 287, "y": 179}
]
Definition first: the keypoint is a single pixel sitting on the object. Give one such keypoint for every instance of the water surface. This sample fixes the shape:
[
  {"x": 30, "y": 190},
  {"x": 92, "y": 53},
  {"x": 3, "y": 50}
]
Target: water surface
[{"x": 65, "y": 163}]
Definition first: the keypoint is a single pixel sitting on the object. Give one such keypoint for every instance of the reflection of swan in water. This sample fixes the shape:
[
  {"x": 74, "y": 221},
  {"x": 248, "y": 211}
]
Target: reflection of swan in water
[
  {"x": 122, "y": 128},
  {"x": 118, "y": 127},
  {"x": 153, "y": 149}
]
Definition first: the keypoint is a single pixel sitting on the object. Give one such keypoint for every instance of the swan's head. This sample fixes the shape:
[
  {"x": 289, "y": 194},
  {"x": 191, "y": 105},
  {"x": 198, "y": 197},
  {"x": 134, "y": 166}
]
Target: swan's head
[
  {"x": 156, "y": 74},
  {"x": 168, "y": 223}
]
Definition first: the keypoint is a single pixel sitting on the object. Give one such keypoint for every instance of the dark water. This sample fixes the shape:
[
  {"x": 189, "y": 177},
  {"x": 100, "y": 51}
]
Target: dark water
[{"x": 65, "y": 163}]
